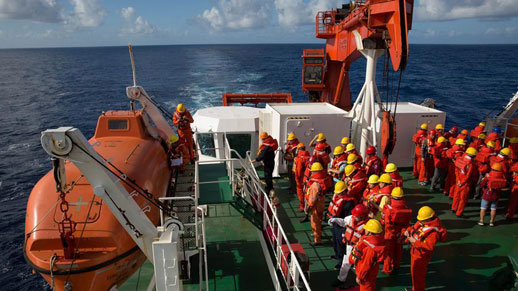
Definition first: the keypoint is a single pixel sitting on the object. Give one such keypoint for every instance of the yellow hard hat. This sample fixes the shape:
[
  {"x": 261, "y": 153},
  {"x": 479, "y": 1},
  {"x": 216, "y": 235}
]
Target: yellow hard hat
[
  {"x": 505, "y": 151},
  {"x": 373, "y": 226},
  {"x": 397, "y": 192},
  {"x": 424, "y": 126},
  {"x": 482, "y": 136},
  {"x": 291, "y": 136},
  {"x": 321, "y": 137},
  {"x": 513, "y": 140},
  {"x": 491, "y": 144},
  {"x": 316, "y": 167},
  {"x": 338, "y": 150},
  {"x": 460, "y": 141},
  {"x": 385, "y": 178},
  {"x": 441, "y": 139},
  {"x": 351, "y": 158},
  {"x": 373, "y": 179},
  {"x": 424, "y": 213},
  {"x": 180, "y": 108},
  {"x": 345, "y": 140},
  {"x": 174, "y": 138},
  {"x": 439, "y": 126},
  {"x": 350, "y": 147},
  {"x": 349, "y": 169},
  {"x": 301, "y": 146},
  {"x": 340, "y": 187},
  {"x": 482, "y": 123},
  {"x": 391, "y": 167},
  {"x": 471, "y": 151}
]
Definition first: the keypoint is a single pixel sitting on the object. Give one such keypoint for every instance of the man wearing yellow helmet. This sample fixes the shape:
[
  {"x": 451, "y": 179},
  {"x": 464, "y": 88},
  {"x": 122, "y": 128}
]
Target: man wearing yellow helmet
[
  {"x": 423, "y": 236},
  {"x": 178, "y": 152},
  {"x": 502, "y": 158},
  {"x": 378, "y": 200},
  {"x": 417, "y": 139},
  {"x": 338, "y": 164},
  {"x": 300, "y": 163},
  {"x": 182, "y": 119},
  {"x": 455, "y": 152},
  {"x": 480, "y": 128},
  {"x": 466, "y": 175},
  {"x": 356, "y": 181},
  {"x": 290, "y": 151},
  {"x": 345, "y": 141},
  {"x": 319, "y": 184},
  {"x": 321, "y": 139},
  {"x": 440, "y": 163},
  {"x": 397, "y": 180},
  {"x": 372, "y": 187}
]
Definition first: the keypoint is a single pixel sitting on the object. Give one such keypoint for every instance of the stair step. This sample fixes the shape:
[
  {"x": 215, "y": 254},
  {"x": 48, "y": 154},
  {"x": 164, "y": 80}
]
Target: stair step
[{"x": 185, "y": 180}]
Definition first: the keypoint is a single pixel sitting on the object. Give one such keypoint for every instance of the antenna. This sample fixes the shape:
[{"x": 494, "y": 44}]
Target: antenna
[{"x": 133, "y": 65}]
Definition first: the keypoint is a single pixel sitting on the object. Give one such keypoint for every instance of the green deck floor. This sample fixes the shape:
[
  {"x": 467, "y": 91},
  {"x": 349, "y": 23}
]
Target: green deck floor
[
  {"x": 466, "y": 261},
  {"x": 215, "y": 192}
]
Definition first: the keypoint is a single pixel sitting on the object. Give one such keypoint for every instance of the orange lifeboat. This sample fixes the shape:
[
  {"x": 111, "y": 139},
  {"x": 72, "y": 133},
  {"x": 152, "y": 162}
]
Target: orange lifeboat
[{"x": 98, "y": 254}]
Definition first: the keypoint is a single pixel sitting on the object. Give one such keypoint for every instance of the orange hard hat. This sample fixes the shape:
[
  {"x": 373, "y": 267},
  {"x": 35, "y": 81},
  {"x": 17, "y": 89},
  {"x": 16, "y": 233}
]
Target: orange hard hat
[
  {"x": 301, "y": 146},
  {"x": 464, "y": 132},
  {"x": 263, "y": 135},
  {"x": 496, "y": 167}
]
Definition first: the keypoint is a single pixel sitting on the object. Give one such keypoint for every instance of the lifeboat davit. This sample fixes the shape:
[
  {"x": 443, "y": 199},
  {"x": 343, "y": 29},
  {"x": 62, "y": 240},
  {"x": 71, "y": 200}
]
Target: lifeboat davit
[{"x": 103, "y": 254}]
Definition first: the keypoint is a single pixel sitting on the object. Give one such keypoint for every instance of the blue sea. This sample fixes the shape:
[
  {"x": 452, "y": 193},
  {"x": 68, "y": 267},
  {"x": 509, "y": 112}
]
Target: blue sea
[{"x": 48, "y": 88}]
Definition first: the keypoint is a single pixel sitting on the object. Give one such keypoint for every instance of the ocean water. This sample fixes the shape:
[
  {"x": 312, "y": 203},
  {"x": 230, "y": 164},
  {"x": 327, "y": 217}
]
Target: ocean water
[{"x": 47, "y": 88}]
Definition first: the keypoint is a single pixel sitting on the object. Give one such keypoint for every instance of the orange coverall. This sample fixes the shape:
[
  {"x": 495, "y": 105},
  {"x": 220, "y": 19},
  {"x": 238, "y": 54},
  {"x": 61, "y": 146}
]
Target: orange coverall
[
  {"x": 426, "y": 235},
  {"x": 372, "y": 248},
  {"x": 393, "y": 245},
  {"x": 418, "y": 139},
  {"x": 299, "y": 166},
  {"x": 464, "y": 181},
  {"x": 316, "y": 203},
  {"x": 452, "y": 154},
  {"x": 183, "y": 122}
]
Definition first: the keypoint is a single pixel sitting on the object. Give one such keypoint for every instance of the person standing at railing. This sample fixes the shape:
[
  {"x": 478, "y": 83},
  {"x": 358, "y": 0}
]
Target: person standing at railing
[
  {"x": 266, "y": 154},
  {"x": 300, "y": 163},
  {"x": 182, "y": 119}
]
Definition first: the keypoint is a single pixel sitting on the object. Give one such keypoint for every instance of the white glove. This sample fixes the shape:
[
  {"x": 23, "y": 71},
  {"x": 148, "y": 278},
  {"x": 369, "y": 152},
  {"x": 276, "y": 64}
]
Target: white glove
[{"x": 330, "y": 221}]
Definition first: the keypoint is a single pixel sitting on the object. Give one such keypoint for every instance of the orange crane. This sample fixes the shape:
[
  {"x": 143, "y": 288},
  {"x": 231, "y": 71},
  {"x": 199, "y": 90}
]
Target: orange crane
[{"x": 382, "y": 24}]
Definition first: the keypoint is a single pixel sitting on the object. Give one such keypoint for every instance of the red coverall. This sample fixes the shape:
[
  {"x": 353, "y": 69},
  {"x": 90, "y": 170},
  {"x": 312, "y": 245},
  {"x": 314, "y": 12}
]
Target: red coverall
[
  {"x": 426, "y": 235},
  {"x": 418, "y": 139},
  {"x": 356, "y": 184},
  {"x": 183, "y": 122},
  {"x": 397, "y": 180},
  {"x": 513, "y": 198},
  {"x": 393, "y": 243},
  {"x": 367, "y": 255},
  {"x": 464, "y": 181},
  {"x": 299, "y": 165},
  {"x": 452, "y": 154}
]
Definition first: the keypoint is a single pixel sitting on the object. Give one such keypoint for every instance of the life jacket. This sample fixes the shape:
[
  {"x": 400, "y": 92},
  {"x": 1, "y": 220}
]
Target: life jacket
[
  {"x": 368, "y": 192},
  {"x": 323, "y": 179},
  {"x": 338, "y": 161},
  {"x": 269, "y": 142},
  {"x": 354, "y": 232},
  {"x": 370, "y": 163},
  {"x": 327, "y": 147},
  {"x": 396, "y": 213},
  {"x": 477, "y": 131},
  {"x": 291, "y": 149},
  {"x": 476, "y": 144},
  {"x": 464, "y": 163},
  {"x": 356, "y": 184},
  {"x": 502, "y": 160},
  {"x": 183, "y": 121},
  {"x": 337, "y": 204},
  {"x": 482, "y": 159},
  {"x": 375, "y": 242},
  {"x": 377, "y": 197},
  {"x": 300, "y": 162},
  {"x": 494, "y": 137},
  {"x": 421, "y": 231},
  {"x": 419, "y": 137},
  {"x": 397, "y": 180},
  {"x": 491, "y": 184}
]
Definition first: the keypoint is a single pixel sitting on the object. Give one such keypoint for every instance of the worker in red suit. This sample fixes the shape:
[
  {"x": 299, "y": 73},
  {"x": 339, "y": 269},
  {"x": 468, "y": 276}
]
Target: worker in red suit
[
  {"x": 481, "y": 128},
  {"x": 356, "y": 181},
  {"x": 372, "y": 187},
  {"x": 423, "y": 236},
  {"x": 513, "y": 197},
  {"x": 417, "y": 139},
  {"x": 513, "y": 146},
  {"x": 182, "y": 119},
  {"x": 478, "y": 142},
  {"x": 353, "y": 230},
  {"x": 338, "y": 164},
  {"x": 321, "y": 153},
  {"x": 319, "y": 184},
  {"x": 340, "y": 206},
  {"x": 397, "y": 180},
  {"x": 465, "y": 171},
  {"x": 495, "y": 136},
  {"x": 440, "y": 163},
  {"x": 351, "y": 149},
  {"x": 492, "y": 183},
  {"x": 395, "y": 217},
  {"x": 426, "y": 159},
  {"x": 354, "y": 160},
  {"x": 453, "y": 153},
  {"x": 177, "y": 151},
  {"x": 300, "y": 163},
  {"x": 373, "y": 164},
  {"x": 451, "y": 135},
  {"x": 367, "y": 255},
  {"x": 321, "y": 139},
  {"x": 290, "y": 151},
  {"x": 439, "y": 129},
  {"x": 483, "y": 156}
]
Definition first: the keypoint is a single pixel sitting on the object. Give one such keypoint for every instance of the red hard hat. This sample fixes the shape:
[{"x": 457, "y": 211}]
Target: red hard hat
[
  {"x": 360, "y": 211},
  {"x": 454, "y": 128},
  {"x": 433, "y": 132},
  {"x": 320, "y": 147},
  {"x": 371, "y": 150}
]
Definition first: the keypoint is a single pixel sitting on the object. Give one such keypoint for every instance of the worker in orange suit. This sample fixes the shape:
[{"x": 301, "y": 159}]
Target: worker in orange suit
[
  {"x": 367, "y": 255},
  {"x": 178, "y": 150},
  {"x": 481, "y": 128},
  {"x": 492, "y": 183},
  {"x": 483, "y": 156},
  {"x": 465, "y": 171},
  {"x": 299, "y": 166},
  {"x": 320, "y": 182},
  {"x": 440, "y": 163},
  {"x": 417, "y": 139},
  {"x": 423, "y": 236},
  {"x": 513, "y": 146},
  {"x": 356, "y": 181},
  {"x": 478, "y": 142},
  {"x": 453, "y": 153},
  {"x": 426, "y": 159},
  {"x": 495, "y": 136},
  {"x": 351, "y": 149},
  {"x": 395, "y": 217},
  {"x": 320, "y": 139},
  {"x": 451, "y": 135},
  {"x": 397, "y": 180},
  {"x": 372, "y": 187},
  {"x": 513, "y": 197},
  {"x": 439, "y": 129},
  {"x": 373, "y": 164},
  {"x": 182, "y": 119}
]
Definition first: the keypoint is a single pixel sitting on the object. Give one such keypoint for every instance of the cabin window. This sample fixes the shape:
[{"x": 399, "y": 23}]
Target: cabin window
[
  {"x": 313, "y": 74},
  {"x": 206, "y": 144},
  {"x": 313, "y": 60},
  {"x": 240, "y": 142},
  {"x": 118, "y": 124}
]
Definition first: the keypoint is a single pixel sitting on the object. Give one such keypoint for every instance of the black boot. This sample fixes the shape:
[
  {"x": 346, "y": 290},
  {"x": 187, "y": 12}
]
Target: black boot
[{"x": 304, "y": 219}]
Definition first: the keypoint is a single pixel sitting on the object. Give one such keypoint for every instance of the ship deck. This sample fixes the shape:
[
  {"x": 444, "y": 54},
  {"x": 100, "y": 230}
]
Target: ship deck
[{"x": 467, "y": 260}]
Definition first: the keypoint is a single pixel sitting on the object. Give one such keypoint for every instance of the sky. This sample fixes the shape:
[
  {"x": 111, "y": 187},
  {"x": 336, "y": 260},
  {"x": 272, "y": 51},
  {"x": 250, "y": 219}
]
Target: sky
[{"x": 70, "y": 23}]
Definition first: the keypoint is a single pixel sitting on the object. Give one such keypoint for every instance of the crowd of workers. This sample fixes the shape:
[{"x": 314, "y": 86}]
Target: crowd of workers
[{"x": 369, "y": 218}]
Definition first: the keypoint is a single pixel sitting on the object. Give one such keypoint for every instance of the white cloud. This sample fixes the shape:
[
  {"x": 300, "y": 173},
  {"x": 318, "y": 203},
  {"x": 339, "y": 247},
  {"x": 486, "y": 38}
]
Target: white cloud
[
  {"x": 237, "y": 14},
  {"x": 502, "y": 31},
  {"x": 436, "y": 10},
  {"x": 35, "y": 10},
  {"x": 135, "y": 25},
  {"x": 86, "y": 13},
  {"x": 291, "y": 13}
]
